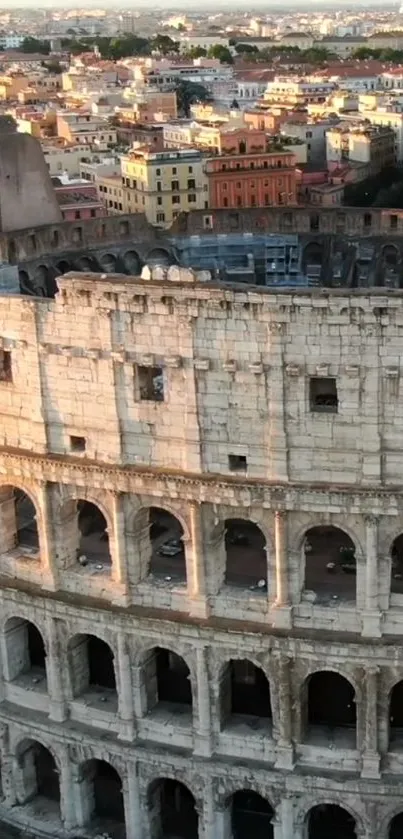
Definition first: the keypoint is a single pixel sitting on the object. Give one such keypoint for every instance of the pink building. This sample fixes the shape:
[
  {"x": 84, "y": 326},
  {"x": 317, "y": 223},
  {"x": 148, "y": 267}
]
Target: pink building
[{"x": 79, "y": 201}]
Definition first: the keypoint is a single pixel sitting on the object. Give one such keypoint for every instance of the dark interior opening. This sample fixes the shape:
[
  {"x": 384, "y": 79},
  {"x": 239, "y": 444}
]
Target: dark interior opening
[
  {"x": 328, "y": 821},
  {"x": 250, "y": 690},
  {"x": 330, "y": 564},
  {"x": 167, "y": 548},
  {"x": 331, "y": 701},
  {"x": 177, "y": 813},
  {"x": 36, "y": 647},
  {"x": 94, "y": 542},
  {"x": 100, "y": 664},
  {"x": 246, "y": 559},
  {"x": 25, "y": 514},
  {"x": 251, "y": 816},
  {"x": 173, "y": 680},
  {"x": 47, "y": 776}
]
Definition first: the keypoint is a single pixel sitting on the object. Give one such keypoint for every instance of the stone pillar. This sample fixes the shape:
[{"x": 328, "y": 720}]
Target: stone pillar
[
  {"x": 46, "y": 540},
  {"x": 195, "y": 564},
  {"x": 54, "y": 673},
  {"x": 126, "y": 712},
  {"x": 222, "y": 823},
  {"x": 282, "y": 613},
  {"x": 67, "y": 791},
  {"x": 283, "y": 710},
  {"x": 118, "y": 548},
  {"x": 285, "y": 820},
  {"x": 7, "y": 769},
  {"x": 370, "y": 750},
  {"x": 203, "y": 740},
  {"x": 207, "y": 814},
  {"x": 371, "y": 614},
  {"x": 132, "y": 804}
]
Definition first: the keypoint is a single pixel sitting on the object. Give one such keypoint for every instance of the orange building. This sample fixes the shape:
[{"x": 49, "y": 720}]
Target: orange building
[{"x": 249, "y": 173}]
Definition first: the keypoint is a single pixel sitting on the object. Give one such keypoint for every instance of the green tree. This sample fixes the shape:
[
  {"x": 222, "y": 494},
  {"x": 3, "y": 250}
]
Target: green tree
[
  {"x": 196, "y": 52},
  {"x": 32, "y": 45},
  {"x": 246, "y": 49},
  {"x": 222, "y": 53},
  {"x": 187, "y": 93},
  {"x": 164, "y": 44}
]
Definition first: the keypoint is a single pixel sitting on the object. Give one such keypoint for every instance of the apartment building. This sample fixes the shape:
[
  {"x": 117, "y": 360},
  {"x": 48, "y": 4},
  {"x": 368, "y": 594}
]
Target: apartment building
[
  {"x": 86, "y": 128},
  {"x": 163, "y": 184},
  {"x": 368, "y": 144}
]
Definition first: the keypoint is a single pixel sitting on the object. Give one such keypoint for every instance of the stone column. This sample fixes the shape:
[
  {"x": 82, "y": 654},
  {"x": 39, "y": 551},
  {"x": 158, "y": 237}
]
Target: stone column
[
  {"x": 132, "y": 804},
  {"x": 54, "y": 674},
  {"x": 207, "y": 813},
  {"x": 371, "y": 614},
  {"x": 282, "y": 613},
  {"x": 126, "y": 712},
  {"x": 46, "y": 540},
  {"x": 285, "y": 821},
  {"x": 283, "y": 709},
  {"x": 118, "y": 548},
  {"x": 196, "y": 571},
  {"x": 67, "y": 791},
  {"x": 370, "y": 750},
  {"x": 203, "y": 740},
  {"x": 7, "y": 769}
]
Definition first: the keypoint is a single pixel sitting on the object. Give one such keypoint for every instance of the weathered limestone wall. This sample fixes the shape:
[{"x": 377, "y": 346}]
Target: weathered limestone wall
[
  {"x": 233, "y": 361},
  {"x": 236, "y": 367}
]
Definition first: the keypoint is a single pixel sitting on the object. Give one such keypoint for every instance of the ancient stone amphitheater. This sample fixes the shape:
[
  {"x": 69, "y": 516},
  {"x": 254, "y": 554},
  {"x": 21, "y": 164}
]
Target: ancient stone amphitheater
[{"x": 201, "y": 525}]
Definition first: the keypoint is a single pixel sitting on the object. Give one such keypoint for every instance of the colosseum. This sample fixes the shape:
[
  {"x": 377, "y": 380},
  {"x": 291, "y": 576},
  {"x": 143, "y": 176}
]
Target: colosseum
[{"x": 202, "y": 547}]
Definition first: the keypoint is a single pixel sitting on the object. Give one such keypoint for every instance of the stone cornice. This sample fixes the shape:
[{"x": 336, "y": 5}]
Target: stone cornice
[{"x": 210, "y": 488}]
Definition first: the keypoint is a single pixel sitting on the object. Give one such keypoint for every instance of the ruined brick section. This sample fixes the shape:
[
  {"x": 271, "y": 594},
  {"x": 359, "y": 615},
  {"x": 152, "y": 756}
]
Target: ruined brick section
[{"x": 222, "y": 426}]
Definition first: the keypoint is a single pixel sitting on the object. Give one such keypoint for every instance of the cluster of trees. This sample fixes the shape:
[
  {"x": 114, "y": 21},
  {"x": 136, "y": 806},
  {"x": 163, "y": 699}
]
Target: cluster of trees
[
  {"x": 382, "y": 190},
  {"x": 394, "y": 56}
]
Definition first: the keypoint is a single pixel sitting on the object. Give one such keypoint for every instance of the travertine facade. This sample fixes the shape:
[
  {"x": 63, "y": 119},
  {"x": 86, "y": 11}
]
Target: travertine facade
[{"x": 233, "y": 430}]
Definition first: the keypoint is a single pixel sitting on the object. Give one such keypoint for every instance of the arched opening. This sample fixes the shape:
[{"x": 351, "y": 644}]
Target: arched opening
[
  {"x": 329, "y": 821},
  {"x": 63, "y": 267},
  {"x": 92, "y": 671},
  {"x": 396, "y": 717},
  {"x": 87, "y": 263},
  {"x": 242, "y": 147},
  {"x": 40, "y": 778},
  {"x": 108, "y": 263},
  {"x": 330, "y": 564},
  {"x": 172, "y": 810},
  {"x": 246, "y": 559},
  {"x": 132, "y": 263},
  {"x": 25, "y": 282},
  {"x": 102, "y": 796},
  {"x": 244, "y": 696},
  {"x": 93, "y": 547},
  {"x": 159, "y": 256},
  {"x": 167, "y": 682},
  {"x": 26, "y": 528},
  {"x": 40, "y": 280},
  {"x": 396, "y": 582},
  {"x": 26, "y": 656},
  {"x": 329, "y": 708},
  {"x": 396, "y": 827},
  {"x": 251, "y": 816},
  {"x": 390, "y": 255},
  {"x": 167, "y": 548}
]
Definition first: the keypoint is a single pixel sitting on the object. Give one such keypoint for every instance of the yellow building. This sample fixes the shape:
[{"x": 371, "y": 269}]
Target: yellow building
[{"x": 163, "y": 184}]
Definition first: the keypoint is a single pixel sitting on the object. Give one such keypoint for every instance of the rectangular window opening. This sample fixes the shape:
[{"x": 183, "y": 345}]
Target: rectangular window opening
[
  {"x": 323, "y": 395},
  {"x": 237, "y": 463},
  {"x": 5, "y": 366},
  {"x": 77, "y": 444},
  {"x": 151, "y": 384}
]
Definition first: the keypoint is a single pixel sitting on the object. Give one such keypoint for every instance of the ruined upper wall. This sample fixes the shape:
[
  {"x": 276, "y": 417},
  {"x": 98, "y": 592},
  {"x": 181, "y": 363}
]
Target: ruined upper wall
[
  {"x": 27, "y": 197},
  {"x": 235, "y": 363}
]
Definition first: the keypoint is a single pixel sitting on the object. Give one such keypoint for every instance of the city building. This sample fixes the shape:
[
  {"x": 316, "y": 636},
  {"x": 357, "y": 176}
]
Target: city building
[
  {"x": 78, "y": 200},
  {"x": 372, "y": 145},
  {"x": 162, "y": 184},
  {"x": 86, "y": 128},
  {"x": 248, "y": 173}
]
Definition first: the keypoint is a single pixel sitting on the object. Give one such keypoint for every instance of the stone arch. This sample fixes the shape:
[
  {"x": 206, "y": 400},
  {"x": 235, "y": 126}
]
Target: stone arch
[
  {"x": 41, "y": 279},
  {"x": 63, "y": 266},
  {"x": 91, "y": 663},
  {"x": 20, "y": 520},
  {"x": 101, "y": 792},
  {"x": 172, "y": 810},
  {"x": 159, "y": 256},
  {"x": 152, "y": 526},
  {"x": 395, "y": 715},
  {"x": 385, "y": 827},
  {"x": 299, "y": 537},
  {"x": 26, "y": 647},
  {"x": 81, "y": 545},
  {"x": 312, "y": 255},
  {"x": 25, "y": 283},
  {"x": 87, "y": 262},
  {"x": 244, "y": 694},
  {"x": 108, "y": 262},
  {"x": 329, "y": 558},
  {"x": 167, "y": 679},
  {"x": 390, "y": 254},
  {"x": 317, "y": 811},
  {"x": 396, "y": 565},
  {"x": 132, "y": 262},
  {"x": 246, "y": 554},
  {"x": 329, "y": 703},
  {"x": 39, "y": 769},
  {"x": 251, "y": 815}
]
